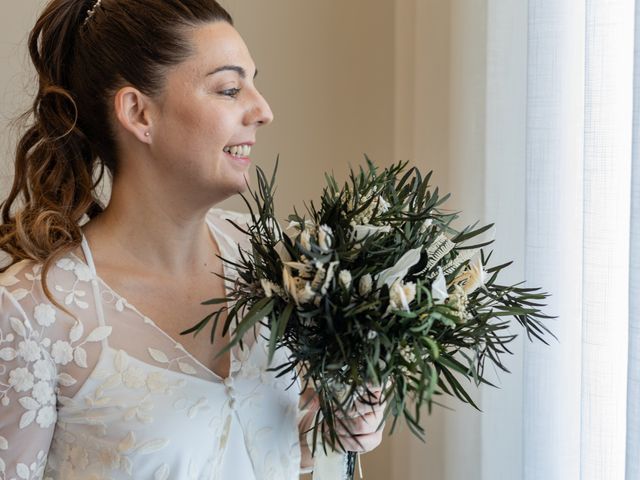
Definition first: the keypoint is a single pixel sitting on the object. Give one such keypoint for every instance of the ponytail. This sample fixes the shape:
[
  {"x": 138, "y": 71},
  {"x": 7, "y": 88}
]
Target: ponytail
[{"x": 54, "y": 161}]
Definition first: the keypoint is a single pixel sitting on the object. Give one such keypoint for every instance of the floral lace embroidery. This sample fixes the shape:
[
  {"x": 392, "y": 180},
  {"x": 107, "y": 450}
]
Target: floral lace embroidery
[
  {"x": 25, "y": 472},
  {"x": 117, "y": 423}
]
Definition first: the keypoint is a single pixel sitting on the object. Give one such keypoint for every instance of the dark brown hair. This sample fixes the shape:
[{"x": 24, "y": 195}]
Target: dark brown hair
[{"x": 81, "y": 60}]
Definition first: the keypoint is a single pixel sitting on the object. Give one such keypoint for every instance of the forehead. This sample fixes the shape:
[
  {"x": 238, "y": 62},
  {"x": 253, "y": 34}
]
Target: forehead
[{"x": 215, "y": 44}]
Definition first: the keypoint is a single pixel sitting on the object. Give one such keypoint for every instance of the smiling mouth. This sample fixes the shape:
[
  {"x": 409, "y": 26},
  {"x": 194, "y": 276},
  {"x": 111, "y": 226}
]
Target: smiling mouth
[{"x": 239, "y": 151}]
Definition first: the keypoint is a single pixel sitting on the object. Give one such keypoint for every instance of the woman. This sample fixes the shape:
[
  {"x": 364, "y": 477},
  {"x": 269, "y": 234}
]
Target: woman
[{"x": 95, "y": 379}]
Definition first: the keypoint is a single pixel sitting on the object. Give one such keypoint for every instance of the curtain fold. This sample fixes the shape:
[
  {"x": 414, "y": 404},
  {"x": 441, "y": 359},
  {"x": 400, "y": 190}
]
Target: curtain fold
[
  {"x": 581, "y": 392},
  {"x": 633, "y": 389},
  {"x": 553, "y": 230}
]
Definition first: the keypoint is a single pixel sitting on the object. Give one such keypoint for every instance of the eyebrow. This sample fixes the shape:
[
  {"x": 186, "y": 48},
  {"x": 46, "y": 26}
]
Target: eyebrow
[{"x": 235, "y": 68}]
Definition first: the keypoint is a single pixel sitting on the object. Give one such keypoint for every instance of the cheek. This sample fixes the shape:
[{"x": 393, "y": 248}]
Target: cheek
[{"x": 195, "y": 130}]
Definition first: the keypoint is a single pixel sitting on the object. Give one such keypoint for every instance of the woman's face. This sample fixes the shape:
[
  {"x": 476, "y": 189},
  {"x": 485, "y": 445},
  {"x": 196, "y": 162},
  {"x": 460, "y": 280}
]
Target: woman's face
[{"x": 205, "y": 121}]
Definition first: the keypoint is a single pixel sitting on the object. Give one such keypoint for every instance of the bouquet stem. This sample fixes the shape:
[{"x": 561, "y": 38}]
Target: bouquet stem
[
  {"x": 352, "y": 459},
  {"x": 335, "y": 466}
]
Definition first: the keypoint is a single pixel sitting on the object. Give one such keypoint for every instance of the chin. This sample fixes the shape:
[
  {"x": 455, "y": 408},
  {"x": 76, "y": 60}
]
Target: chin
[{"x": 233, "y": 186}]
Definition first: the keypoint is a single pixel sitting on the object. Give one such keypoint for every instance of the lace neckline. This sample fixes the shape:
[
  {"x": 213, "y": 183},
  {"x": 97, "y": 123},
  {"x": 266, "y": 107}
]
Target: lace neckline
[{"x": 233, "y": 366}]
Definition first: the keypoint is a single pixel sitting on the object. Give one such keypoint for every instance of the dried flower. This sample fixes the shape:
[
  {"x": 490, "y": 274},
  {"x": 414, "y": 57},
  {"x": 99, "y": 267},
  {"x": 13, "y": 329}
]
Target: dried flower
[
  {"x": 325, "y": 238},
  {"x": 328, "y": 277},
  {"x": 305, "y": 239},
  {"x": 401, "y": 295},
  {"x": 360, "y": 232},
  {"x": 439, "y": 287},
  {"x": 344, "y": 277},
  {"x": 365, "y": 284}
]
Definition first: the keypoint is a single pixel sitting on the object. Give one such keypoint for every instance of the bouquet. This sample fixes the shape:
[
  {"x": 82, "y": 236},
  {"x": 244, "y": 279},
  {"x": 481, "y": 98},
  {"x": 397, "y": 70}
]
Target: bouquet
[{"x": 373, "y": 286}]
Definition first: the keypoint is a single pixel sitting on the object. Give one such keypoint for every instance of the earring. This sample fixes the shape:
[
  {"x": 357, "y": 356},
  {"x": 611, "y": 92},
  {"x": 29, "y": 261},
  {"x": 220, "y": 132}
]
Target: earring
[{"x": 147, "y": 134}]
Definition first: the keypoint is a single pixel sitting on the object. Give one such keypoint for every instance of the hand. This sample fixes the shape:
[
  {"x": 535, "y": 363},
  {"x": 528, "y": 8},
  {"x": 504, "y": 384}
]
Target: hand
[
  {"x": 358, "y": 431},
  {"x": 364, "y": 419}
]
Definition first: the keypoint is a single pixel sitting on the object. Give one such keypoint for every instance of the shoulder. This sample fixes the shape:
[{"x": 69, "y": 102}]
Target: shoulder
[{"x": 67, "y": 280}]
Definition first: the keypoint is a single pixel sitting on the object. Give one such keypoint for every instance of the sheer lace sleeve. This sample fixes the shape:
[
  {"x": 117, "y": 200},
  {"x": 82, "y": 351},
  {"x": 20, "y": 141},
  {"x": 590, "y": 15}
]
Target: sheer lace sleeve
[
  {"x": 27, "y": 393},
  {"x": 45, "y": 357}
]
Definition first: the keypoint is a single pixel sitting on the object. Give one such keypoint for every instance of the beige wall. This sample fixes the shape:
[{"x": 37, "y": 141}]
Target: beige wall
[
  {"x": 397, "y": 79},
  {"x": 15, "y": 75},
  {"x": 327, "y": 70}
]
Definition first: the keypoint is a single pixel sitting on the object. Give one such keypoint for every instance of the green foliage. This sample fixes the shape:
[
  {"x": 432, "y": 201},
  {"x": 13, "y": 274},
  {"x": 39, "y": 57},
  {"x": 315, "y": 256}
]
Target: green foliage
[{"x": 344, "y": 338}]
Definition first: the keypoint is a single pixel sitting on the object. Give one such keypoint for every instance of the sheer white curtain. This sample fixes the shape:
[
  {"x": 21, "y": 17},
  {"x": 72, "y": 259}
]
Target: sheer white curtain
[{"x": 582, "y": 395}]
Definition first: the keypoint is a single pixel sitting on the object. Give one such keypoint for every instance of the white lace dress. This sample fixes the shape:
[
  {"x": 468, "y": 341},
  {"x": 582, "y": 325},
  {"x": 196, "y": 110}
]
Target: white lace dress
[{"x": 112, "y": 396}]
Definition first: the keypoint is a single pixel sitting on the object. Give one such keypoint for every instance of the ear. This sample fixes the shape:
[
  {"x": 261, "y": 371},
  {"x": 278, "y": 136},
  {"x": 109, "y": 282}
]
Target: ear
[{"x": 132, "y": 109}]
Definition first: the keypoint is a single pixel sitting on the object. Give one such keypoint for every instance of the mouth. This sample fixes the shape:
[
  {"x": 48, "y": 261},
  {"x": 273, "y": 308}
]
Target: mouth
[{"x": 239, "y": 152}]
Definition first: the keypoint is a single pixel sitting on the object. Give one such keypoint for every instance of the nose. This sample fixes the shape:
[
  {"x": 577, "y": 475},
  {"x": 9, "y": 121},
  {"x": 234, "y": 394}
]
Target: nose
[{"x": 260, "y": 113}]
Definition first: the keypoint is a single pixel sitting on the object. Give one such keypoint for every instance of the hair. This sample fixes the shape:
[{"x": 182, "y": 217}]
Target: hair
[{"x": 83, "y": 52}]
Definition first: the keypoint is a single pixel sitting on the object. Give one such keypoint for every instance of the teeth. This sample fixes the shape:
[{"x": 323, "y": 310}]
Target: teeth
[{"x": 238, "y": 150}]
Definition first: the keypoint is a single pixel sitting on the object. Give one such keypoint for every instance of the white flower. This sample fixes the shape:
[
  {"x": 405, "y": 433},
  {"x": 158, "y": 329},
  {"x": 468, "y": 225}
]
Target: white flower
[
  {"x": 400, "y": 269},
  {"x": 44, "y": 314},
  {"x": 360, "y": 232},
  {"x": 383, "y": 205},
  {"x": 133, "y": 377},
  {"x": 427, "y": 223},
  {"x": 157, "y": 382},
  {"x": 82, "y": 272},
  {"x": 43, "y": 370},
  {"x": 328, "y": 277},
  {"x": 409, "y": 290},
  {"x": 21, "y": 379},
  {"x": 344, "y": 277},
  {"x": 365, "y": 284},
  {"x": 305, "y": 239},
  {"x": 43, "y": 393},
  {"x": 46, "y": 416},
  {"x": 401, "y": 295},
  {"x": 29, "y": 350},
  {"x": 61, "y": 352},
  {"x": 439, "y": 287},
  {"x": 325, "y": 237}
]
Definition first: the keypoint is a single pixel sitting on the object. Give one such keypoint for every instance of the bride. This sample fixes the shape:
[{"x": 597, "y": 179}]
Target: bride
[{"x": 95, "y": 379}]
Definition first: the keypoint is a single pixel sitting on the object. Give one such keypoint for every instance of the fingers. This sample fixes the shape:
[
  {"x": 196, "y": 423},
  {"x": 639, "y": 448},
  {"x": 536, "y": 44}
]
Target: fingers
[
  {"x": 360, "y": 410},
  {"x": 362, "y": 423},
  {"x": 360, "y": 443},
  {"x": 366, "y": 403}
]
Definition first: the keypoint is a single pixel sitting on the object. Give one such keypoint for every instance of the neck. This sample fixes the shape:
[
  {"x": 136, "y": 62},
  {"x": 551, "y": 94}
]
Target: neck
[{"x": 157, "y": 233}]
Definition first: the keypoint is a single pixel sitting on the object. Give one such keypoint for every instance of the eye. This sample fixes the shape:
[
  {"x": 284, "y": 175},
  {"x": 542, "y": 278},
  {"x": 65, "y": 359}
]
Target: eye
[{"x": 231, "y": 92}]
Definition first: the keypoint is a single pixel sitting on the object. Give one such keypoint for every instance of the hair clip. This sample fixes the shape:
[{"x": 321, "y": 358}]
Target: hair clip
[{"x": 92, "y": 11}]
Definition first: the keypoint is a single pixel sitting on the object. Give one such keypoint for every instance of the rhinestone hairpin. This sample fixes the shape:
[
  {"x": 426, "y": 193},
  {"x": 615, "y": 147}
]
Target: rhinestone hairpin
[{"x": 92, "y": 11}]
